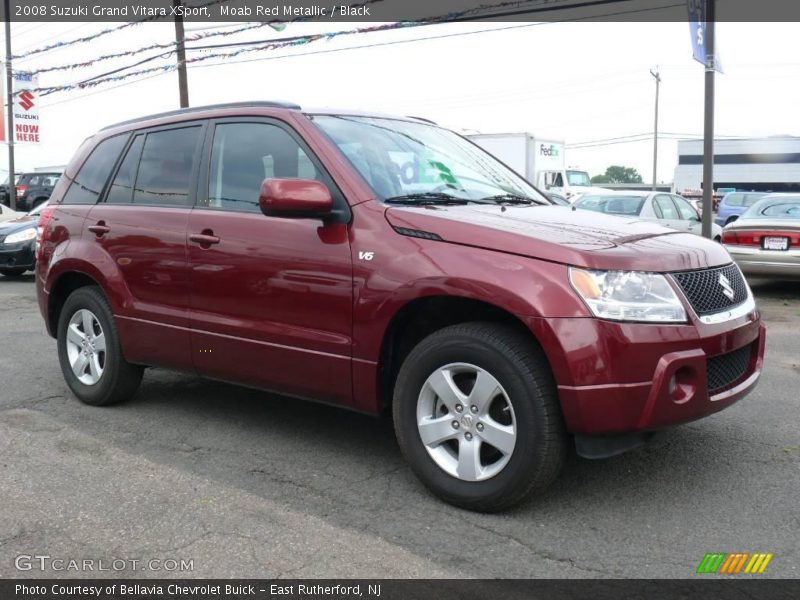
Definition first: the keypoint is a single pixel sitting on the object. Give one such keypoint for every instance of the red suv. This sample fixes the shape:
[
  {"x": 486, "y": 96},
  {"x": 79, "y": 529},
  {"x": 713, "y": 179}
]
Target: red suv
[{"x": 378, "y": 263}]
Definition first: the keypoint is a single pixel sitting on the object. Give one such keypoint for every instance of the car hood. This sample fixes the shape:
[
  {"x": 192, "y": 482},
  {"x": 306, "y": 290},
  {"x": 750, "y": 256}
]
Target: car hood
[
  {"x": 562, "y": 234},
  {"x": 18, "y": 224}
]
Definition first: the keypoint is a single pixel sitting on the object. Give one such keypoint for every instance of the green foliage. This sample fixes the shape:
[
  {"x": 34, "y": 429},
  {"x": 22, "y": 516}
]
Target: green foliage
[{"x": 618, "y": 174}]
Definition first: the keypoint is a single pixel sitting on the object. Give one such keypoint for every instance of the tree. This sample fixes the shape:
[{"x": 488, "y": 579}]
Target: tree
[{"x": 618, "y": 174}]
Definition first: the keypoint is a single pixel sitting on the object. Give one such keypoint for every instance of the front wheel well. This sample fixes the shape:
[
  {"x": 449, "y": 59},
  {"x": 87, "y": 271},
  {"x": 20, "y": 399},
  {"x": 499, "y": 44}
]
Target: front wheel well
[
  {"x": 64, "y": 286},
  {"x": 420, "y": 318}
]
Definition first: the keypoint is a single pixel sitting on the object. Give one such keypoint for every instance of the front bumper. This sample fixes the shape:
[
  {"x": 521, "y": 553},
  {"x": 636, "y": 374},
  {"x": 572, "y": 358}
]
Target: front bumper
[
  {"x": 618, "y": 378},
  {"x": 18, "y": 256}
]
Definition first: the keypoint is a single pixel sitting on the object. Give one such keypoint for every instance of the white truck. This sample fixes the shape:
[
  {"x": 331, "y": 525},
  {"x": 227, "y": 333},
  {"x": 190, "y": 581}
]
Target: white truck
[{"x": 540, "y": 161}]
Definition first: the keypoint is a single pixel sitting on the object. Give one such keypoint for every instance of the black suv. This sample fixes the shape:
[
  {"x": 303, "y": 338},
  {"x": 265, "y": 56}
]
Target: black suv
[{"x": 32, "y": 190}]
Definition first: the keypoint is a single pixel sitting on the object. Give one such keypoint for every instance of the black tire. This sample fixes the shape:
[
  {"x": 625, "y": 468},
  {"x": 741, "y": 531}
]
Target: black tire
[
  {"x": 519, "y": 365},
  {"x": 119, "y": 379},
  {"x": 13, "y": 272},
  {"x": 37, "y": 202}
]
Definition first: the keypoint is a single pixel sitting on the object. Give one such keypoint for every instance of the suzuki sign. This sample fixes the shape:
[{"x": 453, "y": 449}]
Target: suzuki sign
[{"x": 26, "y": 109}]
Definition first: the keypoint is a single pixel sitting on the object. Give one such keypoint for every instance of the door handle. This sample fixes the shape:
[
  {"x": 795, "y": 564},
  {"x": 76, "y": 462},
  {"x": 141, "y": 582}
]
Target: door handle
[
  {"x": 99, "y": 229},
  {"x": 205, "y": 238}
]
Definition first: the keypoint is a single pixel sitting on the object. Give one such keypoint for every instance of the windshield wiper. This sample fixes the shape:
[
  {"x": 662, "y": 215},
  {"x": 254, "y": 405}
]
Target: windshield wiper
[
  {"x": 427, "y": 198},
  {"x": 511, "y": 199}
]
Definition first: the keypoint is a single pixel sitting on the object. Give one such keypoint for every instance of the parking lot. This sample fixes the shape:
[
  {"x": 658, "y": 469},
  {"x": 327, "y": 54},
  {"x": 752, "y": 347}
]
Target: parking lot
[{"x": 245, "y": 484}]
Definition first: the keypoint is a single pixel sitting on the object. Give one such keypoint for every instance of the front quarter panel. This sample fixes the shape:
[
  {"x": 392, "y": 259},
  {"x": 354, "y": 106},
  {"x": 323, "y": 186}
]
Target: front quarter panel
[
  {"x": 401, "y": 269},
  {"x": 390, "y": 270}
]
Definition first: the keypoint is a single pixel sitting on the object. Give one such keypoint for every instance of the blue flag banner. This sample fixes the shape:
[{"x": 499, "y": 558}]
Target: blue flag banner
[{"x": 697, "y": 30}]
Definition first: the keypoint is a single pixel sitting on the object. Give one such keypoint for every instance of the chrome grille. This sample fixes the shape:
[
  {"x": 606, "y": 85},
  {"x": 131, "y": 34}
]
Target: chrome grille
[{"x": 705, "y": 292}]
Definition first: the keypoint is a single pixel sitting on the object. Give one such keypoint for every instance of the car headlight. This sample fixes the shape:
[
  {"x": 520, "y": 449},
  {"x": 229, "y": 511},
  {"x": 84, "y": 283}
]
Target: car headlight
[
  {"x": 628, "y": 295},
  {"x": 21, "y": 236}
]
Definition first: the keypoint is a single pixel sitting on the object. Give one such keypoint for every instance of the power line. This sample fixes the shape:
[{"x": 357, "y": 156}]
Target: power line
[
  {"x": 276, "y": 43},
  {"x": 102, "y": 33}
]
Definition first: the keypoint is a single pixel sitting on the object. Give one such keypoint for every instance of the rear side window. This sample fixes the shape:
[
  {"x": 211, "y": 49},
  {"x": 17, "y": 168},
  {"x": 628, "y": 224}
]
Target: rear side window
[
  {"x": 121, "y": 190},
  {"x": 243, "y": 155},
  {"x": 750, "y": 199},
  {"x": 734, "y": 199},
  {"x": 92, "y": 176},
  {"x": 166, "y": 167}
]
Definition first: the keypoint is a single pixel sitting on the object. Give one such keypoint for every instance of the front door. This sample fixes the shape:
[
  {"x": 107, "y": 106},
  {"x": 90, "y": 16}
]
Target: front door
[
  {"x": 690, "y": 220},
  {"x": 667, "y": 212},
  {"x": 271, "y": 298}
]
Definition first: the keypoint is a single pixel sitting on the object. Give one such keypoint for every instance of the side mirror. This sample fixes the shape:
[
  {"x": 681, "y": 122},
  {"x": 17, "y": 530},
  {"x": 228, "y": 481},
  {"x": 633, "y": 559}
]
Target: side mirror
[{"x": 295, "y": 198}]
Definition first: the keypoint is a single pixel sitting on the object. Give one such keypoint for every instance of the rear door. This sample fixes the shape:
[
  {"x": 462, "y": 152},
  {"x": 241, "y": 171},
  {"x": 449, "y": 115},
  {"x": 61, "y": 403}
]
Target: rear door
[
  {"x": 141, "y": 225},
  {"x": 272, "y": 298}
]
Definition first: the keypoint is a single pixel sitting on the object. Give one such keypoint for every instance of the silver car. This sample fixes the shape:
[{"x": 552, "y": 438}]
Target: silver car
[
  {"x": 765, "y": 240},
  {"x": 667, "y": 209}
]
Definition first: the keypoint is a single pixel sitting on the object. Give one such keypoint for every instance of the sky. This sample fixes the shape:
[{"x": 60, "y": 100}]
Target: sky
[{"x": 576, "y": 82}]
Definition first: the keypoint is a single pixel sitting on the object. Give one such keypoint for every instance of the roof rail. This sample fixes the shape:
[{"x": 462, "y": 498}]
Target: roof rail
[{"x": 193, "y": 109}]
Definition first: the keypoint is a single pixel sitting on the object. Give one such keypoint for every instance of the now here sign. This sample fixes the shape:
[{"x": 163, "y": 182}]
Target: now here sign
[{"x": 26, "y": 109}]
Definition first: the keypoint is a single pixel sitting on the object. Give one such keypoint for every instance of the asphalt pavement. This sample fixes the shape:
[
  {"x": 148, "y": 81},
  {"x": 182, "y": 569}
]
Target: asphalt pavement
[{"x": 239, "y": 483}]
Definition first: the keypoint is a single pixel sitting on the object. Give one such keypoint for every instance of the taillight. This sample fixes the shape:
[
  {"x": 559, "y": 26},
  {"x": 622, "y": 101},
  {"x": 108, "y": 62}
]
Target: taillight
[
  {"x": 21, "y": 189},
  {"x": 756, "y": 238},
  {"x": 44, "y": 221}
]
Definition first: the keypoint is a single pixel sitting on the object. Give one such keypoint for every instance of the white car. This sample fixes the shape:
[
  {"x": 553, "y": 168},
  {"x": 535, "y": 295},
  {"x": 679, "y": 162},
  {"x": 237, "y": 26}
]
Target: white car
[
  {"x": 6, "y": 214},
  {"x": 670, "y": 210}
]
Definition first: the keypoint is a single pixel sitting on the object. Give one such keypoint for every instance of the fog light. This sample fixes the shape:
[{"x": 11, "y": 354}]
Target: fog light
[{"x": 682, "y": 385}]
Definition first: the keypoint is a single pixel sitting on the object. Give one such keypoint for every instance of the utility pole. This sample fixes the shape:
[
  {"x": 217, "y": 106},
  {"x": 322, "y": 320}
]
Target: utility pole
[
  {"x": 657, "y": 77},
  {"x": 708, "y": 130},
  {"x": 183, "y": 85},
  {"x": 12, "y": 190}
]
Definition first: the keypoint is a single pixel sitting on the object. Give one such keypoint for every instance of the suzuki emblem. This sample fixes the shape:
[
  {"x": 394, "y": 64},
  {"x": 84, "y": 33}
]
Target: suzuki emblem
[{"x": 725, "y": 283}]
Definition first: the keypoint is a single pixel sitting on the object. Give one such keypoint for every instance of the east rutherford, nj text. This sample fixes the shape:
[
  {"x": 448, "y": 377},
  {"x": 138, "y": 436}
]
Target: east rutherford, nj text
[{"x": 288, "y": 10}]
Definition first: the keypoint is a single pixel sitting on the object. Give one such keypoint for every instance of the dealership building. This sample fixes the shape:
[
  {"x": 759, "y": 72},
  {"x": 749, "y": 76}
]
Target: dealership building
[{"x": 769, "y": 164}]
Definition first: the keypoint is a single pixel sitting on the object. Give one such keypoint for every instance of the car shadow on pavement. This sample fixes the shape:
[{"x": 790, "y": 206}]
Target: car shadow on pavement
[{"x": 346, "y": 468}]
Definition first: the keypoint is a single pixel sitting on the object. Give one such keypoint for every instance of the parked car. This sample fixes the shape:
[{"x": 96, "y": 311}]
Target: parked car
[
  {"x": 734, "y": 204},
  {"x": 32, "y": 189},
  {"x": 385, "y": 263},
  {"x": 6, "y": 214},
  {"x": 557, "y": 199},
  {"x": 18, "y": 243},
  {"x": 765, "y": 240},
  {"x": 669, "y": 210}
]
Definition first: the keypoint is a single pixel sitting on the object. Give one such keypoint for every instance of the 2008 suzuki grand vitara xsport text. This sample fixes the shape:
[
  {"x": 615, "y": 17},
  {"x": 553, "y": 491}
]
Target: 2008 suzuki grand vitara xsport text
[{"x": 379, "y": 263}]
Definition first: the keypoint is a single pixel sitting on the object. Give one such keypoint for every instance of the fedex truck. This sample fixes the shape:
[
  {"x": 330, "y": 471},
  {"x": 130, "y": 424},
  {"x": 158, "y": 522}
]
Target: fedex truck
[{"x": 540, "y": 161}]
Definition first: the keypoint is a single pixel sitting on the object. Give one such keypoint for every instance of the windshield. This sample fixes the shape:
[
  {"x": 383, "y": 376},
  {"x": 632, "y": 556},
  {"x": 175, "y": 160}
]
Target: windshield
[
  {"x": 401, "y": 158},
  {"x": 579, "y": 178},
  {"x": 614, "y": 205}
]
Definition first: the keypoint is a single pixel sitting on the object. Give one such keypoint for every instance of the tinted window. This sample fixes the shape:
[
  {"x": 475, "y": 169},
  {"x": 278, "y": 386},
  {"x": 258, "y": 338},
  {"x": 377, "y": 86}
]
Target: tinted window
[
  {"x": 685, "y": 209},
  {"x": 666, "y": 208},
  {"x": 166, "y": 167},
  {"x": 243, "y": 155},
  {"x": 92, "y": 176},
  {"x": 121, "y": 190},
  {"x": 734, "y": 199}
]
